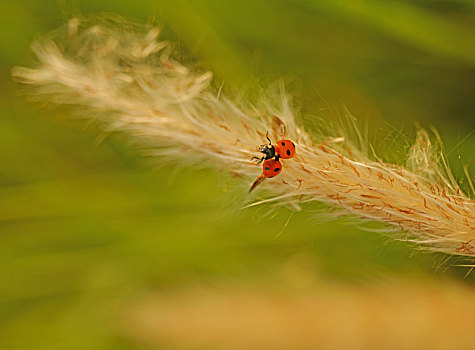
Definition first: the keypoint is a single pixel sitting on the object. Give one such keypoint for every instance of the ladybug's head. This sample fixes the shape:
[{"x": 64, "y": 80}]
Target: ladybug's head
[{"x": 268, "y": 150}]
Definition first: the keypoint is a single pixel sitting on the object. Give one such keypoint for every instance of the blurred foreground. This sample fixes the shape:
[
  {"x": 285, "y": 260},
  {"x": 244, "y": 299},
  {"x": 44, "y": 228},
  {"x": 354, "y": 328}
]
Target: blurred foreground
[{"x": 321, "y": 315}]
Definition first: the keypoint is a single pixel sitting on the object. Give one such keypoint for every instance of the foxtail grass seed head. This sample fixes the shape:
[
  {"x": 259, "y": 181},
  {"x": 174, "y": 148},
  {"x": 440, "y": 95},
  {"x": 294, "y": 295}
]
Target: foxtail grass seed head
[{"x": 124, "y": 78}]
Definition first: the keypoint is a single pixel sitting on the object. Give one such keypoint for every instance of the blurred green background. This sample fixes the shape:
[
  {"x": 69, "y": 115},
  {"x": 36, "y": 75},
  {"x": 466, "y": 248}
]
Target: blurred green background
[{"x": 84, "y": 228}]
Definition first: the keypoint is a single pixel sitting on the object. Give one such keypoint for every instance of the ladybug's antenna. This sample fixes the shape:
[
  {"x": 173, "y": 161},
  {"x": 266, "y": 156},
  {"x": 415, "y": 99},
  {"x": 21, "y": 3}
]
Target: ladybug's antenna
[{"x": 267, "y": 137}]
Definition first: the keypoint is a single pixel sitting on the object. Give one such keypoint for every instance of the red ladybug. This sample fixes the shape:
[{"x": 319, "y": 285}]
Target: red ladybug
[{"x": 271, "y": 167}]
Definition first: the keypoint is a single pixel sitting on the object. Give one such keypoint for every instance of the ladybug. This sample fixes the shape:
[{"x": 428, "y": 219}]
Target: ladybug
[{"x": 271, "y": 167}]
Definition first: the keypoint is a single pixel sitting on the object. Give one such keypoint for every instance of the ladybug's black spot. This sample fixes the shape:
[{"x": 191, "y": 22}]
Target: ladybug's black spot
[
  {"x": 293, "y": 144},
  {"x": 276, "y": 169},
  {"x": 282, "y": 143},
  {"x": 288, "y": 152},
  {"x": 267, "y": 168}
]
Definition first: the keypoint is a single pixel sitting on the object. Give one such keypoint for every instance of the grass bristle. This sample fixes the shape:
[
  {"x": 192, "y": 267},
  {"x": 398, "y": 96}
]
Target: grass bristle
[{"x": 126, "y": 80}]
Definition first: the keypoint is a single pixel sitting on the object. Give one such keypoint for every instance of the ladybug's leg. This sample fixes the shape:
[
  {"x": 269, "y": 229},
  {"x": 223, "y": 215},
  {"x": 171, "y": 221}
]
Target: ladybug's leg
[{"x": 258, "y": 160}]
